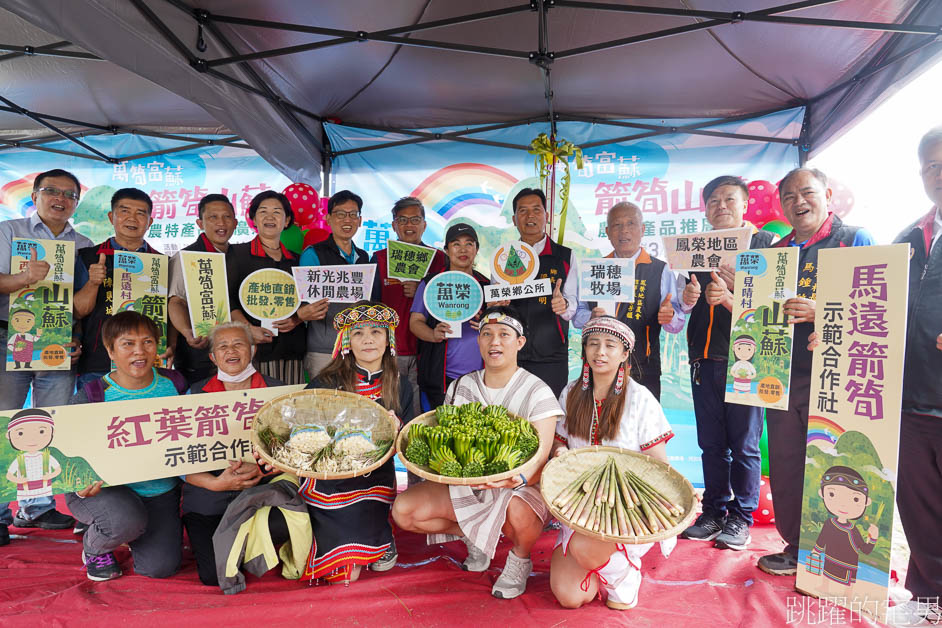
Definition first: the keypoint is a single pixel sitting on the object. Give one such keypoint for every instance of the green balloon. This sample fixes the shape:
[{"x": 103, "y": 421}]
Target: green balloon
[
  {"x": 293, "y": 238},
  {"x": 778, "y": 227},
  {"x": 764, "y": 446}
]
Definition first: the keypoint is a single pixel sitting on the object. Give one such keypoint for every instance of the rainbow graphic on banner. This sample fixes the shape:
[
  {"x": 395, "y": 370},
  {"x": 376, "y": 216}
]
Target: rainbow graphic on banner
[
  {"x": 460, "y": 186},
  {"x": 748, "y": 315},
  {"x": 16, "y": 198},
  {"x": 26, "y": 295},
  {"x": 127, "y": 305},
  {"x": 823, "y": 432}
]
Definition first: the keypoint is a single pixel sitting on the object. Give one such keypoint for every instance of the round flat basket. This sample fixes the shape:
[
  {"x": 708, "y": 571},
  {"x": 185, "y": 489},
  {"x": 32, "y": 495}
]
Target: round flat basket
[
  {"x": 328, "y": 409},
  {"x": 425, "y": 472},
  {"x": 559, "y": 473}
]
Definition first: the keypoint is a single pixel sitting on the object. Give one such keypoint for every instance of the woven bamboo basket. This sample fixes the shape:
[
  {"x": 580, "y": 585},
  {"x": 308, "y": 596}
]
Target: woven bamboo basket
[
  {"x": 425, "y": 472},
  {"x": 324, "y": 407},
  {"x": 560, "y": 472}
]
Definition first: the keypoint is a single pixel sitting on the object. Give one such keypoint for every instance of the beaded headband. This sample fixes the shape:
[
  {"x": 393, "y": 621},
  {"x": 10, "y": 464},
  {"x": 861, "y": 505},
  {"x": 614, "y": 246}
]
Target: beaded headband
[
  {"x": 504, "y": 319},
  {"x": 373, "y": 315},
  {"x": 612, "y": 326},
  {"x": 844, "y": 476}
]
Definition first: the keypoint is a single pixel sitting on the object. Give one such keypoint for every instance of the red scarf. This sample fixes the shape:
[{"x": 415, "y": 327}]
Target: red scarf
[{"x": 214, "y": 385}]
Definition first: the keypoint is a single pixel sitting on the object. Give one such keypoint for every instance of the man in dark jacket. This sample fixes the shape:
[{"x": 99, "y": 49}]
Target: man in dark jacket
[
  {"x": 728, "y": 433},
  {"x": 919, "y": 483}
]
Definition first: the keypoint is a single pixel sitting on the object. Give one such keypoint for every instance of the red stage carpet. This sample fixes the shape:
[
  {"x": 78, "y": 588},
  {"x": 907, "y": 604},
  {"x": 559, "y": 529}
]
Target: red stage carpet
[{"x": 42, "y": 583}]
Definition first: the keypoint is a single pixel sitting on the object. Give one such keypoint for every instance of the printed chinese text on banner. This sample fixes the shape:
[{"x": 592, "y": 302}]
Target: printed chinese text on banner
[
  {"x": 514, "y": 266},
  {"x": 853, "y": 426},
  {"x": 120, "y": 442},
  {"x": 453, "y": 297},
  {"x": 40, "y": 321},
  {"x": 140, "y": 285},
  {"x": 760, "y": 340},
  {"x": 606, "y": 279},
  {"x": 408, "y": 262},
  {"x": 269, "y": 295},
  {"x": 344, "y": 283},
  {"x": 705, "y": 250},
  {"x": 207, "y": 294}
]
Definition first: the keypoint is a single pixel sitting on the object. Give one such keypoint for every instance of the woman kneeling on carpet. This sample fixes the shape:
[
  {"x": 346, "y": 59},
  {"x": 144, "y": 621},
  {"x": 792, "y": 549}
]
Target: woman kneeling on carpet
[
  {"x": 478, "y": 515},
  {"x": 350, "y": 517},
  {"x": 145, "y": 515},
  {"x": 206, "y": 495},
  {"x": 607, "y": 407}
]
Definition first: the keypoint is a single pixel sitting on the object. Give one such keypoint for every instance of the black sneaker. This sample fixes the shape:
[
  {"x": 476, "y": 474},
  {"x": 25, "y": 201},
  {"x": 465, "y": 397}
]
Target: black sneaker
[
  {"x": 388, "y": 560},
  {"x": 705, "y": 528},
  {"x": 735, "y": 535},
  {"x": 781, "y": 564},
  {"x": 49, "y": 520},
  {"x": 80, "y": 528},
  {"x": 4, "y": 534},
  {"x": 101, "y": 567}
]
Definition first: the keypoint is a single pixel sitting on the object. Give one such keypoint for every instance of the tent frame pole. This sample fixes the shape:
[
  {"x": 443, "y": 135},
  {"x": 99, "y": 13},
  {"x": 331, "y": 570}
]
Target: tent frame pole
[
  {"x": 35, "y": 118},
  {"x": 45, "y": 50}
]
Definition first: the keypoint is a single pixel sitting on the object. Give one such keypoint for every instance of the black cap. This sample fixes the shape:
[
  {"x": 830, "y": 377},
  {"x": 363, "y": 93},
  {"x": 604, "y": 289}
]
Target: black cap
[{"x": 460, "y": 229}]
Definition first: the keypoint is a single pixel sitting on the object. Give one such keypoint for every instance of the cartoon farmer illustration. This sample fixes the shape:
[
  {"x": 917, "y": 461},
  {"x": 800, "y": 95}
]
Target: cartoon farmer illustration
[
  {"x": 744, "y": 348},
  {"x": 33, "y": 469},
  {"x": 20, "y": 344},
  {"x": 846, "y": 497}
]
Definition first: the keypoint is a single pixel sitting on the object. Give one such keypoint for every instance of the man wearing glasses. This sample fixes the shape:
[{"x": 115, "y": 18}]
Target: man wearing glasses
[
  {"x": 343, "y": 218},
  {"x": 408, "y": 220},
  {"x": 55, "y": 195}
]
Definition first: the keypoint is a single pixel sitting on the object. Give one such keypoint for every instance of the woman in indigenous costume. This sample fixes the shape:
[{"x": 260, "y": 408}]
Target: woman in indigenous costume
[
  {"x": 605, "y": 407},
  {"x": 479, "y": 515},
  {"x": 350, "y": 518}
]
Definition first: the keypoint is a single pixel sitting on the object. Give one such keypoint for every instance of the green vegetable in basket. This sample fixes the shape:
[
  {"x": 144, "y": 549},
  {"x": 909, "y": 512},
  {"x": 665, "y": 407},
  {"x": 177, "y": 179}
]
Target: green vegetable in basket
[
  {"x": 475, "y": 466},
  {"x": 443, "y": 462},
  {"x": 418, "y": 451},
  {"x": 446, "y": 415}
]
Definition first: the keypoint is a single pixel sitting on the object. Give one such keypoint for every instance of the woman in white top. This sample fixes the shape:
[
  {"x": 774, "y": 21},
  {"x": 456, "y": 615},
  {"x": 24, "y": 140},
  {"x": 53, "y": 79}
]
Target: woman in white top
[{"x": 605, "y": 407}]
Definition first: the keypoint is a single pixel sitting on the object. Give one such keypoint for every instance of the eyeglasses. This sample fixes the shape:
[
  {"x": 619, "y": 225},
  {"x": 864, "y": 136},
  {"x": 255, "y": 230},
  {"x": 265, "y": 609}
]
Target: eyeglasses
[
  {"x": 342, "y": 214},
  {"x": 69, "y": 194},
  {"x": 409, "y": 220}
]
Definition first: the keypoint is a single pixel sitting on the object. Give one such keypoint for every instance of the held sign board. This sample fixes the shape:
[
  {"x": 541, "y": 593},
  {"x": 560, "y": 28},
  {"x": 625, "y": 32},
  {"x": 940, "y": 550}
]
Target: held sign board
[
  {"x": 343, "y": 283},
  {"x": 207, "y": 295},
  {"x": 706, "y": 250},
  {"x": 269, "y": 295},
  {"x": 453, "y": 297}
]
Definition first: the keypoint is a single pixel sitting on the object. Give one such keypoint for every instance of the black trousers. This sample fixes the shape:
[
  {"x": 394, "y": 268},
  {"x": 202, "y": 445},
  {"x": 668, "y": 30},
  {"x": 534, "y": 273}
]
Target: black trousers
[
  {"x": 919, "y": 498},
  {"x": 200, "y": 529}
]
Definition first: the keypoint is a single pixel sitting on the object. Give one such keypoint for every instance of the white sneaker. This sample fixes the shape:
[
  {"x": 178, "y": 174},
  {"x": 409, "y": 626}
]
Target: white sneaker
[
  {"x": 622, "y": 582},
  {"x": 476, "y": 560},
  {"x": 513, "y": 579}
]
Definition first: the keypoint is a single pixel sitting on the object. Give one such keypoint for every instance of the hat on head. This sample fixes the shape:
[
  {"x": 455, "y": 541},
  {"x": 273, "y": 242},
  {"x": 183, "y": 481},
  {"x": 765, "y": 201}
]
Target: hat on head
[
  {"x": 460, "y": 229},
  {"x": 609, "y": 325},
  {"x": 377, "y": 315}
]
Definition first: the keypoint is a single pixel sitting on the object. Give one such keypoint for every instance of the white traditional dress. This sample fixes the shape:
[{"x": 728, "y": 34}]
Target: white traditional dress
[
  {"x": 481, "y": 513},
  {"x": 642, "y": 426}
]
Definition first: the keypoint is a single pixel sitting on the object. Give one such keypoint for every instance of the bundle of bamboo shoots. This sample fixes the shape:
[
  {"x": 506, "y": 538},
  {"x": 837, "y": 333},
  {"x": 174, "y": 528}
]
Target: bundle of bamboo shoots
[{"x": 615, "y": 503}]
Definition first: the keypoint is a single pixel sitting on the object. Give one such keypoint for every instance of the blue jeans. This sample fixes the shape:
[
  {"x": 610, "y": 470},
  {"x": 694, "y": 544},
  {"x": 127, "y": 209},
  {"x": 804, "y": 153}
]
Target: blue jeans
[
  {"x": 50, "y": 388},
  {"x": 728, "y": 435}
]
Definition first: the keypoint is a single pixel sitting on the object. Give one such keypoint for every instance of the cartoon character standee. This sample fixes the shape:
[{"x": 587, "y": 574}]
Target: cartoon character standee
[
  {"x": 846, "y": 497},
  {"x": 20, "y": 344},
  {"x": 744, "y": 348},
  {"x": 34, "y": 468}
]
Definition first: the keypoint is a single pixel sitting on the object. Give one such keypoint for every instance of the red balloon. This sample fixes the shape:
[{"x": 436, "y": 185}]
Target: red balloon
[
  {"x": 304, "y": 202},
  {"x": 764, "y": 513},
  {"x": 313, "y": 236},
  {"x": 763, "y": 203},
  {"x": 842, "y": 198}
]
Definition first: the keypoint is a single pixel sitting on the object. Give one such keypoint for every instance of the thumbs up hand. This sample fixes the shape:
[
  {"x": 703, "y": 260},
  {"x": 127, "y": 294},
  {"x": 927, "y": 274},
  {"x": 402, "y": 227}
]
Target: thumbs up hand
[
  {"x": 98, "y": 272},
  {"x": 559, "y": 303},
  {"x": 35, "y": 270},
  {"x": 665, "y": 314},
  {"x": 717, "y": 293},
  {"x": 692, "y": 291}
]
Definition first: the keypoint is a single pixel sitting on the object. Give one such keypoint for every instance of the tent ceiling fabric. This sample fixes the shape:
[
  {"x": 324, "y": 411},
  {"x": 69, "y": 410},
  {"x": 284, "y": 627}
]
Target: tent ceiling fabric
[{"x": 729, "y": 69}]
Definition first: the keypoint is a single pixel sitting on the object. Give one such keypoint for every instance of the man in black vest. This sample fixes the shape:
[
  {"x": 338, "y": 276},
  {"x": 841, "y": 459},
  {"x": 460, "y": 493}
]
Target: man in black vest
[
  {"x": 653, "y": 306},
  {"x": 343, "y": 218},
  {"x": 919, "y": 482},
  {"x": 728, "y": 433},
  {"x": 805, "y": 195},
  {"x": 546, "y": 353},
  {"x": 218, "y": 222},
  {"x": 94, "y": 267}
]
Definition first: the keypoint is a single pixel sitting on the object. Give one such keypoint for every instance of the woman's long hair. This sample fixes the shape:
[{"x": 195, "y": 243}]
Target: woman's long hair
[
  {"x": 580, "y": 404},
  {"x": 341, "y": 374}
]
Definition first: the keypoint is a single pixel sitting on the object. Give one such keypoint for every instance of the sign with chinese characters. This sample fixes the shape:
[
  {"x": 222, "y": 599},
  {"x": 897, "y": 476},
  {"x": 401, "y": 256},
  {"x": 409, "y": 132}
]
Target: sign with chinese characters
[
  {"x": 343, "y": 283},
  {"x": 853, "y": 426},
  {"x": 140, "y": 285},
  {"x": 40, "y": 317},
  {"x": 207, "y": 293},
  {"x": 453, "y": 297},
  {"x": 607, "y": 280},
  {"x": 269, "y": 295},
  {"x": 760, "y": 341},
  {"x": 408, "y": 262},
  {"x": 63, "y": 449},
  {"x": 514, "y": 266},
  {"x": 705, "y": 250}
]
